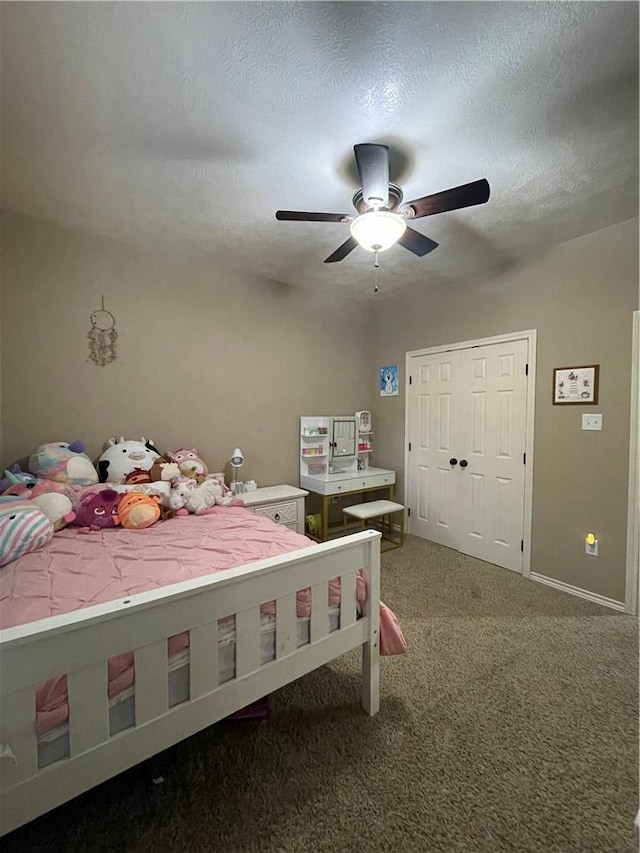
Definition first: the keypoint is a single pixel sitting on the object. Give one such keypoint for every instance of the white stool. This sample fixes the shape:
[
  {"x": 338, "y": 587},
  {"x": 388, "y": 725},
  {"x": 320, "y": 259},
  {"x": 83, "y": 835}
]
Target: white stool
[{"x": 377, "y": 509}]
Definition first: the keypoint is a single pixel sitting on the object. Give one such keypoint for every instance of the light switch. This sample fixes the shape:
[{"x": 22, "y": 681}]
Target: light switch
[{"x": 592, "y": 422}]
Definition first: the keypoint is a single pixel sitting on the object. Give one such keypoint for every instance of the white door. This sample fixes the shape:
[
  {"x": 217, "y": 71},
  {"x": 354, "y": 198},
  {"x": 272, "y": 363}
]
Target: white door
[{"x": 467, "y": 428}]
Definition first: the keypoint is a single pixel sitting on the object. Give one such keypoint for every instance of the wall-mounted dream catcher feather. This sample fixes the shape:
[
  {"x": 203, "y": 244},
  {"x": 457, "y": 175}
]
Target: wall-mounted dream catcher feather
[{"x": 102, "y": 336}]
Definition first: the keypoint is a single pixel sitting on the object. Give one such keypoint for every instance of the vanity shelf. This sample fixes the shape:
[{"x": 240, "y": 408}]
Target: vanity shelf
[{"x": 333, "y": 445}]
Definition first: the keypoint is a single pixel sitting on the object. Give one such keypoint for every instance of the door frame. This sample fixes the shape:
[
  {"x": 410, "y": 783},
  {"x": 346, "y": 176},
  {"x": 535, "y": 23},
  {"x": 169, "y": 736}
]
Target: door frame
[
  {"x": 632, "y": 591},
  {"x": 529, "y": 335}
]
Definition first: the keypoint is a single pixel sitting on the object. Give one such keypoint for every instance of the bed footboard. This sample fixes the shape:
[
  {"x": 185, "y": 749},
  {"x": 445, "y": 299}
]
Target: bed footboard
[{"x": 79, "y": 644}]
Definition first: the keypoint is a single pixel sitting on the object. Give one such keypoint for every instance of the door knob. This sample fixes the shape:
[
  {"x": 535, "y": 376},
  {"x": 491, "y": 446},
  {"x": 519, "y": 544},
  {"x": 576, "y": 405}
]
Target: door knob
[
  {"x": 463, "y": 463},
  {"x": 453, "y": 461}
]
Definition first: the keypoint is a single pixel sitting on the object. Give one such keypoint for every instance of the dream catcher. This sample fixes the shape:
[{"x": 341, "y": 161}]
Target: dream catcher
[{"x": 102, "y": 337}]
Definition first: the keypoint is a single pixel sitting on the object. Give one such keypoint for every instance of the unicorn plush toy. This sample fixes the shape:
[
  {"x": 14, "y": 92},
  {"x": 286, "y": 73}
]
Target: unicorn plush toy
[{"x": 56, "y": 500}]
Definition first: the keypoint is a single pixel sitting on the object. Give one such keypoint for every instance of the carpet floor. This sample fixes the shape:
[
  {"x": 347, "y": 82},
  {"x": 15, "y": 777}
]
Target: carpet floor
[{"x": 510, "y": 725}]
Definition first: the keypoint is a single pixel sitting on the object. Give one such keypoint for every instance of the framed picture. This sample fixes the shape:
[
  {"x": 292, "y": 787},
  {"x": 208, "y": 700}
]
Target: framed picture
[
  {"x": 576, "y": 386},
  {"x": 389, "y": 380}
]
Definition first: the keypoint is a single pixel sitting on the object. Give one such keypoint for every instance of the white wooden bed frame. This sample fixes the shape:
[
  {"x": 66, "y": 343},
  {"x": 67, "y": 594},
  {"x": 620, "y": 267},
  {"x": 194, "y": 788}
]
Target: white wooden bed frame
[{"x": 80, "y": 643}]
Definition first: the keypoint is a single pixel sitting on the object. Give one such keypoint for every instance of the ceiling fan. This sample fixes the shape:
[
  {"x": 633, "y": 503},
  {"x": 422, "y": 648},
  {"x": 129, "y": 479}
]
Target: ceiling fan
[{"x": 381, "y": 219}]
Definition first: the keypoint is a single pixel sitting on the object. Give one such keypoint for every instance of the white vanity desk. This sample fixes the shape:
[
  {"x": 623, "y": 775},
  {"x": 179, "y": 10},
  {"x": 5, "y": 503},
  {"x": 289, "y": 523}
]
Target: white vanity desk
[{"x": 347, "y": 482}]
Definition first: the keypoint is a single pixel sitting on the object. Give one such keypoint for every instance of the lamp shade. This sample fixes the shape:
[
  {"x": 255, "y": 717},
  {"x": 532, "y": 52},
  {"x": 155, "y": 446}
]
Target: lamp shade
[
  {"x": 237, "y": 459},
  {"x": 378, "y": 230}
]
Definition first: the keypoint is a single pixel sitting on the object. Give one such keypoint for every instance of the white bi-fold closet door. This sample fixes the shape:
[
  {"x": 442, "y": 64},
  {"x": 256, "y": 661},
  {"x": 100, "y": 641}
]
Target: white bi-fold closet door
[{"x": 467, "y": 425}]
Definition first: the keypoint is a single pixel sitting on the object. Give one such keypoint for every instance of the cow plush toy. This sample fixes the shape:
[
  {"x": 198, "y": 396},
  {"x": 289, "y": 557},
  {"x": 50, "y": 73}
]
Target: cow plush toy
[{"x": 122, "y": 457}]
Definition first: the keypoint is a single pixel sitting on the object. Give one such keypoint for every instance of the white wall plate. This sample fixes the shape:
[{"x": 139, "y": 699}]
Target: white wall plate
[{"x": 592, "y": 422}]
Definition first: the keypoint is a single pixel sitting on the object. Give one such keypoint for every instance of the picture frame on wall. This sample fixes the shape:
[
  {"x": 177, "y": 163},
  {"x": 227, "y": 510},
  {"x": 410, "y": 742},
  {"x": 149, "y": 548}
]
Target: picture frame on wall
[
  {"x": 576, "y": 386},
  {"x": 389, "y": 380}
]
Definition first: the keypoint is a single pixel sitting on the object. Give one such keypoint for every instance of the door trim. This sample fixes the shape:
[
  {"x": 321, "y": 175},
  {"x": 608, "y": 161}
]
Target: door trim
[
  {"x": 633, "y": 522},
  {"x": 529, "y": 335}
]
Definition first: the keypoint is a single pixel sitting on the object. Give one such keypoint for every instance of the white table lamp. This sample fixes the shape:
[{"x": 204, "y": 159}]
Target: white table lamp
[{"x": 237, "y": 461}]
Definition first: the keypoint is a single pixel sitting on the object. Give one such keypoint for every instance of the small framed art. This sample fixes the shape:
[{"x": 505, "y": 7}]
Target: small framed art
[
  {"x": 389, "y": 380},
  {"x": 577, "y": 386}
]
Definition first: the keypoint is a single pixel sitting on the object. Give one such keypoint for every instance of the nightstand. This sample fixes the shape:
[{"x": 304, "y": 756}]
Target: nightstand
[{"x": 282, "y": 504}]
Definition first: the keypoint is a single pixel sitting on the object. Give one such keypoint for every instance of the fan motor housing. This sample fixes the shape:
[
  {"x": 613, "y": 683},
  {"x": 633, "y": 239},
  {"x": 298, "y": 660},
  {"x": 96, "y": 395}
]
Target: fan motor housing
[{"x": 395, "y": 197}]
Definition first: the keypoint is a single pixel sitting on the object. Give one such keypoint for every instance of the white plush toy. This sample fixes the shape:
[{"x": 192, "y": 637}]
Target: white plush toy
[
  {"x": 122, "y": 457},
  {"x": 181, "y": 488},
  {"x": 207, "y": 494}
]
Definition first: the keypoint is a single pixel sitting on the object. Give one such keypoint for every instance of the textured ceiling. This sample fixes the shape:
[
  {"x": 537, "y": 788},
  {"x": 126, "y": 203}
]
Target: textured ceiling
[{"x": 192, "y": 123}]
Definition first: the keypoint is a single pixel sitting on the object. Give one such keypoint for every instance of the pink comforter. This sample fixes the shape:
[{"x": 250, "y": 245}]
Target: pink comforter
[{"x": 79, "y": 570}]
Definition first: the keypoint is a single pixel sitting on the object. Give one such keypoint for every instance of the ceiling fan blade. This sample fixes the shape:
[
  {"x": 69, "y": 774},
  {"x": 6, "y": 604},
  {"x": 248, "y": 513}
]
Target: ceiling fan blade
[
  {"x": 466, "y": 195},
  {"x": 417, "y": 243},
  {"x": 301, "y": 216},
  {"x": 373, "y": 167},
  {"x": 342, "y": 251}
]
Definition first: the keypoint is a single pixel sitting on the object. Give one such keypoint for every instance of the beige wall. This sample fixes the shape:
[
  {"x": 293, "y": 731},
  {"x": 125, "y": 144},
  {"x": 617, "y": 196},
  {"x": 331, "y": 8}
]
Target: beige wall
[
  {"x": 210, "y": 359},
  {"x": 580, "y": 297},
  {"x": 206, "y": 357}
]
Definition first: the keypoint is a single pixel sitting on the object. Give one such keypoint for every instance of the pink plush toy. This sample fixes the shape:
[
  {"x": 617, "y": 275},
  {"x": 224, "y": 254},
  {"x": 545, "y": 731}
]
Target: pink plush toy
[
  {"x": 57, "y": 500},
  {"x": 189, "y": 462}
]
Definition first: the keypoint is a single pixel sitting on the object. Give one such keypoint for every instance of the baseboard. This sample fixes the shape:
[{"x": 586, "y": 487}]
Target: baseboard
[{"x": 576, "y": 590}]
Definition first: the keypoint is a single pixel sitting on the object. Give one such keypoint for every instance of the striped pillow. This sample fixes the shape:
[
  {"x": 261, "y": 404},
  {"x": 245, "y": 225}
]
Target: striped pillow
[{"x": 23, "y": 528}]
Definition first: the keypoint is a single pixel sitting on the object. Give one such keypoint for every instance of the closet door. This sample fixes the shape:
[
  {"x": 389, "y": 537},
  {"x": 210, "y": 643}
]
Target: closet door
[
  {"x": 490, "y": 438},
  {"x": 434, "y": 421},
  {"x": 467, "y": 425}
]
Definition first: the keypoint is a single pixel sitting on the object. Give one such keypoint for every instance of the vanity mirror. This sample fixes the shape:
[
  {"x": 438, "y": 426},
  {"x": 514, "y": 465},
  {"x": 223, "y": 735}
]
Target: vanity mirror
[{"x": 344, "y": 437}]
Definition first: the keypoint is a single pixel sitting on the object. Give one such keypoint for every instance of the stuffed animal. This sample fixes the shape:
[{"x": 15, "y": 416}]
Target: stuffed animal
[
  {"x": 207, "y": 495},
  {"x": 57, "y": 507},
  {"x": 189, "y": 462},
  {"x": 164, "y": 471},
  {"x": 15, "y": 475},
  {"x": 56, "y": 500},
  {"x": 203, "y": 497},
  {"x": 122, "y": 457},
  {"x": 23, "y": 528},
  {"x": 219, "y": 478},
  {"x": 181, "y": 488},
  {"x": 228, "y": 498},
  {"x": 63, "y": 463},
  {"x": 137, "y": 477},
  {"x": 137, "y": 510},
  {"x": 98, "y": 510}
]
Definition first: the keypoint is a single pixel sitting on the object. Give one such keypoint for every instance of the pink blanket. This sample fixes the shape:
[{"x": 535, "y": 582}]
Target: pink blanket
[{"x": 79, "y": 570}]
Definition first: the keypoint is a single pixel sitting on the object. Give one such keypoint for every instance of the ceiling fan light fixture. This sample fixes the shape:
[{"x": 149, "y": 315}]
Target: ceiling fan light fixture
[{"x": 377, "y": 230}]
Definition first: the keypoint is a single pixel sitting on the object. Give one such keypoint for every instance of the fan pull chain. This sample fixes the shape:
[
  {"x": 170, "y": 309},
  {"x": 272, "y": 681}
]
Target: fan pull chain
[{"x": 376, "y": 267}]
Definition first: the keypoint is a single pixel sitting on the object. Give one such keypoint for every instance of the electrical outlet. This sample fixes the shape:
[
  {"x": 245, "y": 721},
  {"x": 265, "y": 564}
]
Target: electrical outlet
[
  {"x": 592, "y": 422},
  {"x": 591, "y": 545}
]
